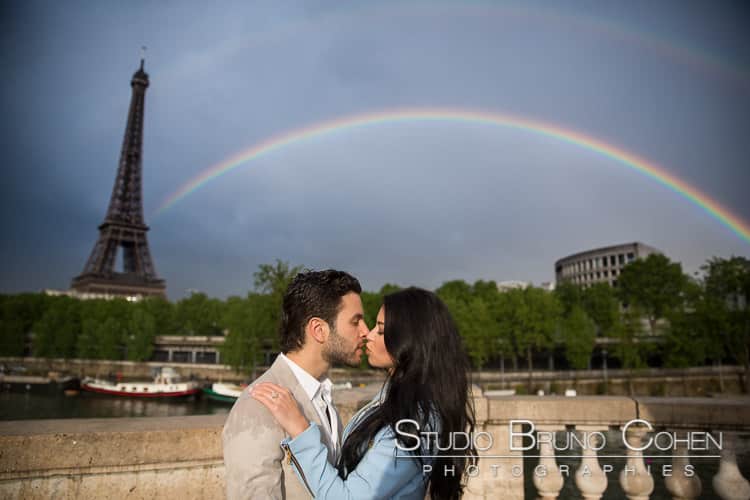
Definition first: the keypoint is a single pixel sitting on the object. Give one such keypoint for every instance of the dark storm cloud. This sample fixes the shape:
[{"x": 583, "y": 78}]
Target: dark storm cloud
[{"x": 410, "y": 203}]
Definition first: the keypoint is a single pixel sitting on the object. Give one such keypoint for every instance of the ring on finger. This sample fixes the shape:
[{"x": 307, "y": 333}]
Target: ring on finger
[{"x": 274, "y": 395}]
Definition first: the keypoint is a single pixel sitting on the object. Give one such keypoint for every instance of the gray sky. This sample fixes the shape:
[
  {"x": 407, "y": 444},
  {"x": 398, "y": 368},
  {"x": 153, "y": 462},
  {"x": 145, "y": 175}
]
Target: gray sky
[{"x": 408, "y": 203}]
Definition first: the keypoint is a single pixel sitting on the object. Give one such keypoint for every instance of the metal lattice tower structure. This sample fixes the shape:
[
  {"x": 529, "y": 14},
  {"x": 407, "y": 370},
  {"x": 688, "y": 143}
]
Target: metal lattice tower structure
[{"x": 124, "y": 227}]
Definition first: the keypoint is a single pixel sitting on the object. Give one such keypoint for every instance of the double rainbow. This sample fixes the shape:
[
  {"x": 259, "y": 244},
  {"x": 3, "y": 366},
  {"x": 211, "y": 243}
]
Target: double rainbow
[{"x": 320, "y": 129}]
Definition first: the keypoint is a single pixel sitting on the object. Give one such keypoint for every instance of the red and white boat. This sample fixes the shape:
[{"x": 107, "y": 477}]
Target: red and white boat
[{"x": 166, "y": 384}]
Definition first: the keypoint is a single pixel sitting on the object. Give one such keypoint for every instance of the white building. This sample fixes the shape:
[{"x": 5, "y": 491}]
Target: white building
[
  {"x": 600, "y": 265},
  {"x": 504, "y": 286}
]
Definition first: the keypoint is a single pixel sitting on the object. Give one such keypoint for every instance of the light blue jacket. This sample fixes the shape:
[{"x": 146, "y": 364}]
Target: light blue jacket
[{"x": 378, "y": 475}]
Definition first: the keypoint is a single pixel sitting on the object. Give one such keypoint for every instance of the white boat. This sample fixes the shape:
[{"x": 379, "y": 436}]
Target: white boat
[
  {"x": 166, "y": 384},
  {"x": 227, "y": 393}
]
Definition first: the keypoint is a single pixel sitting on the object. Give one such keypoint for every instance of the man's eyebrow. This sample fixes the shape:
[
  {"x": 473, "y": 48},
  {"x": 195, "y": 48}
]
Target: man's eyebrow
[{"x": 358, "y": 317}]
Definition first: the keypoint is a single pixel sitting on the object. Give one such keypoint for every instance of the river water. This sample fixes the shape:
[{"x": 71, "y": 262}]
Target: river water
[{"x": 29, "y": 405}]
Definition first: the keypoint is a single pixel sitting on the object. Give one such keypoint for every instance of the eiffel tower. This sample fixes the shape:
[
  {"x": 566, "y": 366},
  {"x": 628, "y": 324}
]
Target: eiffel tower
[{"x": 124, "y": 227}]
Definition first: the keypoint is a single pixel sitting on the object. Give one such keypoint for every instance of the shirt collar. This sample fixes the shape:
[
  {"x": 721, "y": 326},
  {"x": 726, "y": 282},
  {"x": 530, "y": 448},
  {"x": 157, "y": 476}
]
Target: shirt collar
[
  {"x": 326, "y": 386},
  {"x": 309, "y": 384}
]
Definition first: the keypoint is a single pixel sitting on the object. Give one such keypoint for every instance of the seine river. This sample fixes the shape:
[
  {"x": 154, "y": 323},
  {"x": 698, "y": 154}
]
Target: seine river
[{"x": 28, "y": 405}]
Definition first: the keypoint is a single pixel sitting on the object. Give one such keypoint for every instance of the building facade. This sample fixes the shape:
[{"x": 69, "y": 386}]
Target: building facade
[
  {"x": 600, "y": 265},
  {"x": 188, "y": 349}
]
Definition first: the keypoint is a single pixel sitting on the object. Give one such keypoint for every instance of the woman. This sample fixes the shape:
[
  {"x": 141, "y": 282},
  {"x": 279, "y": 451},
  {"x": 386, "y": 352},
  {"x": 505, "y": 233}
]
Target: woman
[{"x": 415, "y": 340}]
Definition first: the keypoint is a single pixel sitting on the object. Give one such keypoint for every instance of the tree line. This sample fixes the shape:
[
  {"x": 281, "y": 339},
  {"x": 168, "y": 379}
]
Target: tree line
[{"x": 697, "y": 319}]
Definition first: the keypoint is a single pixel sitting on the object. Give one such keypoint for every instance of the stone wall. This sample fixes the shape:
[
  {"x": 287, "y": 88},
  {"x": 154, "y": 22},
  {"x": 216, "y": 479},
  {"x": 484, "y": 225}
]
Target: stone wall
[
  {"x": 133, "y": 458},
  {"x": 668, "y": 382},
  {"x": 180, "y": 457}
]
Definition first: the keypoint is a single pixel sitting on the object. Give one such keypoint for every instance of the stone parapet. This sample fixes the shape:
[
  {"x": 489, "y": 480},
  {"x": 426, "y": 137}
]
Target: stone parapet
[
  {"x": 697, "y": 413},
  {"x": 112, "y": 458},
  {"x": 560, "y": 410},
  {"x": 181, "y": 457}
]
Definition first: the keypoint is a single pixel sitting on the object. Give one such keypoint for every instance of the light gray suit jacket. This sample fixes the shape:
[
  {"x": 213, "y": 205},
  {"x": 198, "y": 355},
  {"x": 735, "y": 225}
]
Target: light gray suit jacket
[{"x": 255, "y": 465}]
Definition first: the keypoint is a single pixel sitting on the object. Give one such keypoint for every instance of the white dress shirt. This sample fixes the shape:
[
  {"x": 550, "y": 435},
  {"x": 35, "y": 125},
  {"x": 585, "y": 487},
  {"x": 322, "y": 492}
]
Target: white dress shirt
[{"x": 319, "y": 392}]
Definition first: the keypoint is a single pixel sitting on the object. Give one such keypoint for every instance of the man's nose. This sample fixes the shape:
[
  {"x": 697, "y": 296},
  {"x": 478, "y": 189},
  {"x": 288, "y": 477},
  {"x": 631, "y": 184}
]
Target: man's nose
[{"x": 363, "y": 330}]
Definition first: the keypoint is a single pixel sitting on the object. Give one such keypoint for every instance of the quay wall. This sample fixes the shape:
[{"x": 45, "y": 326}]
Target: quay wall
[
  {"x": 697, "y": 381},
  {"x": 144, "y": 370}
]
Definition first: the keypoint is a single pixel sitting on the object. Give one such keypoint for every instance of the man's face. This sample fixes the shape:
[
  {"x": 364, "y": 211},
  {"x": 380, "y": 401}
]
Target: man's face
[{"x": 345, "y": 340}]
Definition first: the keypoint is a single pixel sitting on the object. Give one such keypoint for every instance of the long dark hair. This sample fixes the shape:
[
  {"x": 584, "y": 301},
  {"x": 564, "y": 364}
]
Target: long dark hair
[{"x": 429, "y": 384}]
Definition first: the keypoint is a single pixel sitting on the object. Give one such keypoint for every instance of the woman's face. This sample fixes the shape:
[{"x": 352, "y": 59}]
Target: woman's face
[{"x": 377, "y": 354}]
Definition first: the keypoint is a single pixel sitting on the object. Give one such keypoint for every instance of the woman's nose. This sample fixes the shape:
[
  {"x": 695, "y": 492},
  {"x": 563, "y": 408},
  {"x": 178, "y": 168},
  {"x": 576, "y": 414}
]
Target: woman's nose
[{"x": 369, "y": 334}]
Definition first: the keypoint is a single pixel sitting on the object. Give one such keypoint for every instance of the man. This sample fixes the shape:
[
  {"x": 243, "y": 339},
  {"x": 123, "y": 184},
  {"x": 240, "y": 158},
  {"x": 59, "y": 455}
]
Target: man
[{"x": 322, "y": 323}]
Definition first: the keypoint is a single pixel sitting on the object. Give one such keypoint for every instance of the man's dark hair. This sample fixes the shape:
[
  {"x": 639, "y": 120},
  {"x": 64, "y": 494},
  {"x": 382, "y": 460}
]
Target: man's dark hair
[{"x": 312, "y": 294}]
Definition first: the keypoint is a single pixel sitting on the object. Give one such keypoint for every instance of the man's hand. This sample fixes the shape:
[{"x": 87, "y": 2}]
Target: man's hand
[{"x": 282, "y": 405}]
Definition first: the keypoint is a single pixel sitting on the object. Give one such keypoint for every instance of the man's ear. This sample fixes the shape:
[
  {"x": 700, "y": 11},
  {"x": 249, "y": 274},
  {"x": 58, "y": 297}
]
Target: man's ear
[{"x": 318, "y": 329}]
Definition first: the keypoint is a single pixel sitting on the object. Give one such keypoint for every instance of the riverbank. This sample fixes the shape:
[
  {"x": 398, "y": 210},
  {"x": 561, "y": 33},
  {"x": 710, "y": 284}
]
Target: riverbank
[
  {"x": 144, "y": 370},
  {"x": 683, "y": 382}
]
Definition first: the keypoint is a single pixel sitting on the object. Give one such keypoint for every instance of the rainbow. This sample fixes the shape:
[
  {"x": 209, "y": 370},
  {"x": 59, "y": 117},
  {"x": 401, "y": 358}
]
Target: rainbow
[{"x": 324, "y": 128}]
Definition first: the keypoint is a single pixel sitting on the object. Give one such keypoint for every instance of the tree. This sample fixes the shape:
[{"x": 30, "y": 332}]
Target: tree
[
  {"x": 485, "y": 290},
  {"x": 601, "y": 306},
  {"x": 631, "y": 348},
  {"x": 476, "y": 327},
  {"x": 508, "y": 316},
  {"x": 164, "y": 314},
  {"x": 240, "y": 347},
  {"x": 537, "y": 322},
  {"x": 655, "y": 285},
  {"x": 56, "y": 332},
  {"x": 471, "y": 307},
  {"x": 199, "y": 315},
  {"x": 693, "y": 328},
  {"x": 17, "y": 315},
  {"x": 252, "y": 325},
  {"x": 87, "y": 342},
  {"x": 101, "y": 328},
  {"x": 454, "y": 290},
  {"x": 569, "y": 295},
  {"x": 139, "y": 334},
  {"x": 629, "y": 333},
  {"x": 579, "y": 334},
  {"x": 253, "y": 322},
  {"x": 109, "y": 335},
  {"x": 274, "y": 279},
  {"x": 727, "y": 285}
]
